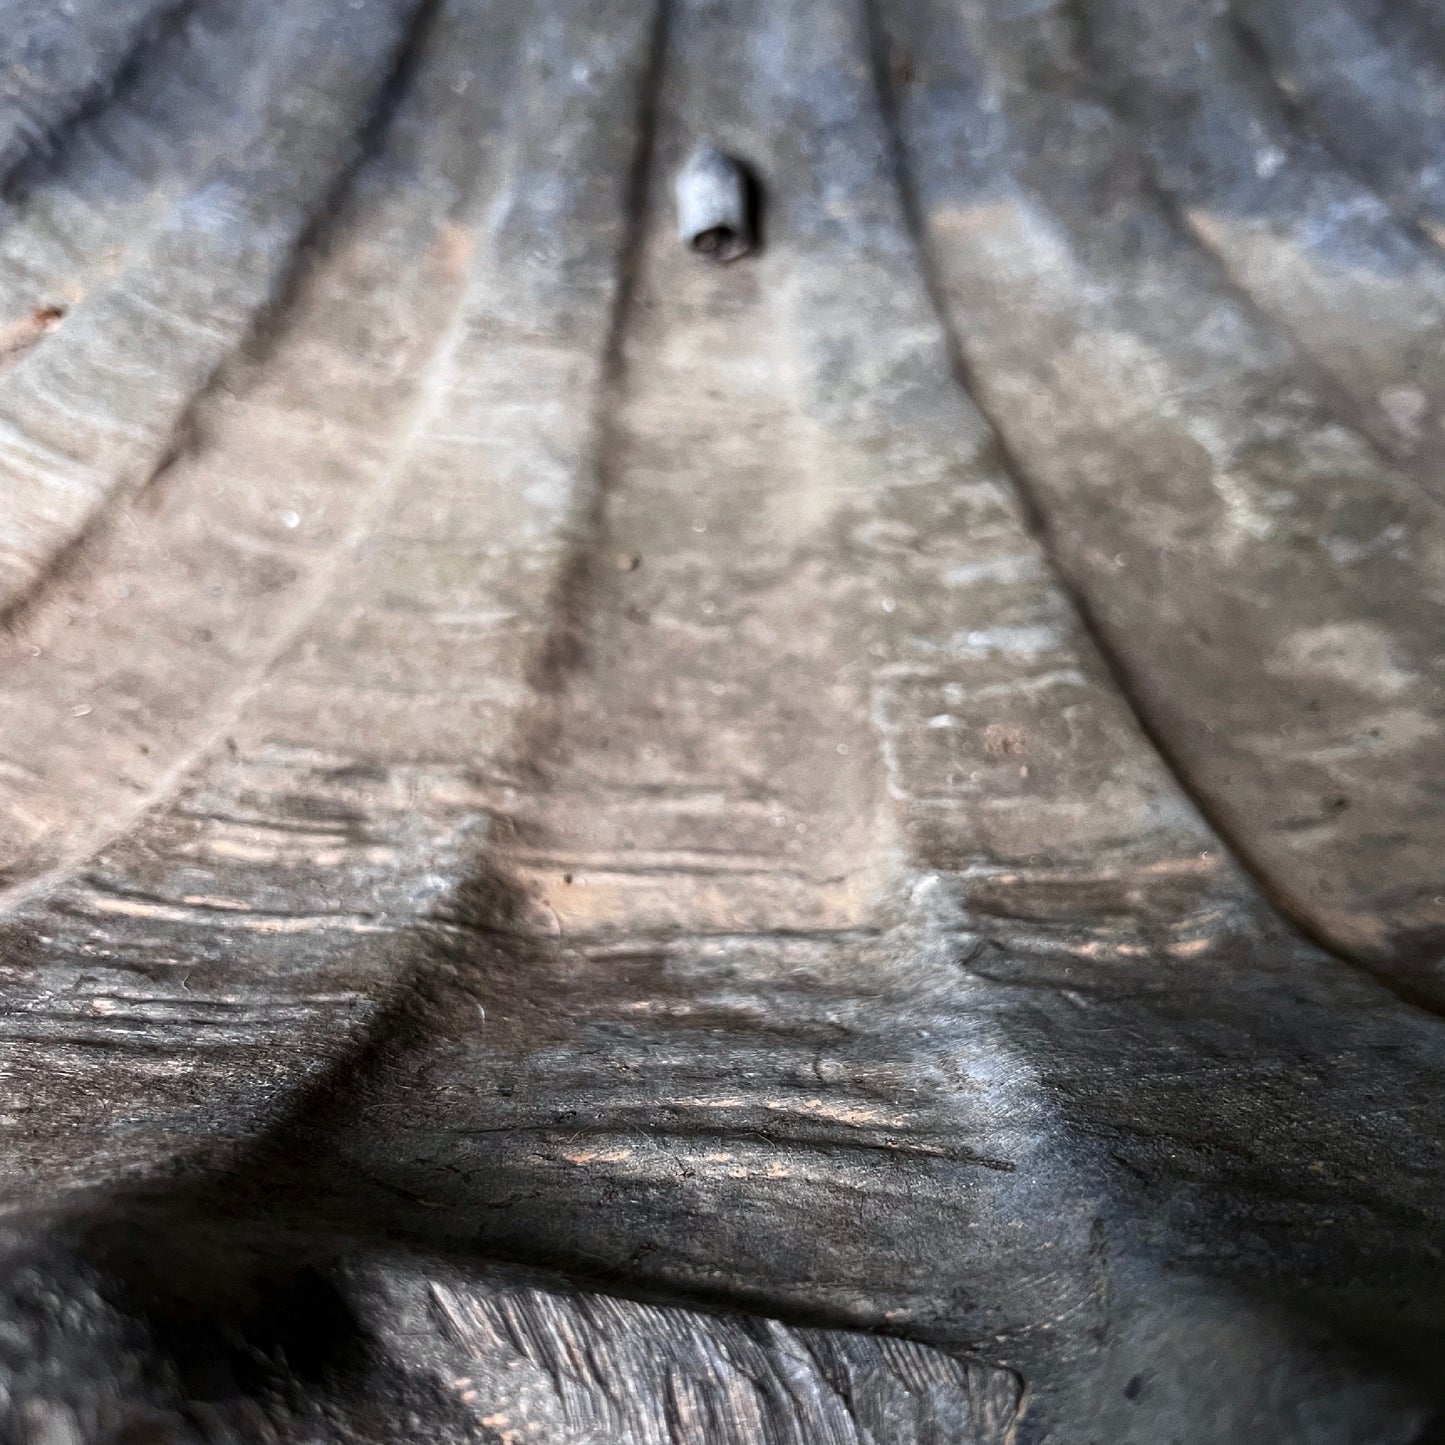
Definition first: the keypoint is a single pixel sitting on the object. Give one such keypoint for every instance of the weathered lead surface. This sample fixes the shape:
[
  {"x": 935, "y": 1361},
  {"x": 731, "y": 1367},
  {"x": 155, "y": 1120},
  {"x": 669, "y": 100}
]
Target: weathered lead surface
[
  {"x": 519, "y": 744},
  {"x": 264, "y": 1352},
  {"x": 1267, "y": 581}
]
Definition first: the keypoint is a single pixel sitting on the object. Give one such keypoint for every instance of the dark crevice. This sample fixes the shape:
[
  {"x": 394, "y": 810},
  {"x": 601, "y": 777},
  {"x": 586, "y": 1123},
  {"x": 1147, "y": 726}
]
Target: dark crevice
[
  {"x": 265, "y": 324},
  {"x": 1028, "y": 493},
  {"x": 564, "y": 649},
  {"x": 290, "y": 1170},
  {"x": 317, "y": 235},
  {"x": 92, "y": 97},
  {"x": 1251, "y": 46},
  {"x": 1338, "y": 403},
  {"x": 1090, "y": 60}
]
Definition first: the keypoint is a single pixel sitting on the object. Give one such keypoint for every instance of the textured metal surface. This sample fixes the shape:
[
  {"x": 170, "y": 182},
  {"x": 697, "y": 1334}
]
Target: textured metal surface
[{"x": 891, "y": 786}]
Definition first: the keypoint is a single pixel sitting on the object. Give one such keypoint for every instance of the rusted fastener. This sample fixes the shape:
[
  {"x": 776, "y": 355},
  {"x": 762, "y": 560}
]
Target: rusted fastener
[{"x": 713, "y": 206}]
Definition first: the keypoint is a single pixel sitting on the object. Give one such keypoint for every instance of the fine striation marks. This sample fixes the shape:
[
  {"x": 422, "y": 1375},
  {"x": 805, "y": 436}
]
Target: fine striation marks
[
  {"x": 393, "y": 586},
  {"x": 76, "y": 217},
  {"x": 258, "y": 1341},
  {"x": 1265, "y": 581},
  {"x": 585, "y": 756},
  {"x": 576, "y": 1367},
  {"x": 91, "y": 416},
  {"x": 55, "y": 60},
  {"x": 1373, "y": 87},
  {"x": 905, "y": 1111},
  {"x": 123, "y": 665},
  {"x": 1362, "y": 292}
]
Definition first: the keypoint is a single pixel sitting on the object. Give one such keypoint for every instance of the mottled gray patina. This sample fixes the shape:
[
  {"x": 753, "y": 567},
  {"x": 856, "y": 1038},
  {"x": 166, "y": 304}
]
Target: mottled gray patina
[{"x": 600, "y": 848}]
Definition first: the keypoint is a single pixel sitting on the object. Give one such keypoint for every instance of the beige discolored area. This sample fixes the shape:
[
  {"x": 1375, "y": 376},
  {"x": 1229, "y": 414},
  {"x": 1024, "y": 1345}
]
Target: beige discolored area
[
  {"x": 708, "y": 762},
  {"x": 796, "y": 795}
]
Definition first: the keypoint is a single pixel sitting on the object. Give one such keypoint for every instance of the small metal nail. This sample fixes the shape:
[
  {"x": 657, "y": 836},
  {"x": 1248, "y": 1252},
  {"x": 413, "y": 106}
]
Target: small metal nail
[{"x": 712, "y": 205}]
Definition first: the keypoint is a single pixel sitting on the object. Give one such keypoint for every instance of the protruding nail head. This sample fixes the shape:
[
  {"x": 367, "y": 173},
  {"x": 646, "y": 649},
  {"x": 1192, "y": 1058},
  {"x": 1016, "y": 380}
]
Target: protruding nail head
[{"x": 712, "y": 204}]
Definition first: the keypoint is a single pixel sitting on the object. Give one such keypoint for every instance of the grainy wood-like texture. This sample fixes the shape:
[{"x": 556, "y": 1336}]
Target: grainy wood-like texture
[{"x": 596, "y": 847}]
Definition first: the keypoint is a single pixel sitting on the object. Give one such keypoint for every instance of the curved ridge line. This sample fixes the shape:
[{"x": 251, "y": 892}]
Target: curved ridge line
[
  {"x": 1253, "y": 50},
  {"x": 1273, "y": 897},
  {"x": 252, "y": 334},
  {"x": 179, "y": 57},
  {"x": 35, "y": 145},
  {"x": 1337, "y": 401},
  {"x": 429, "y": 392},
  {"x": 557, "y": 656}
]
